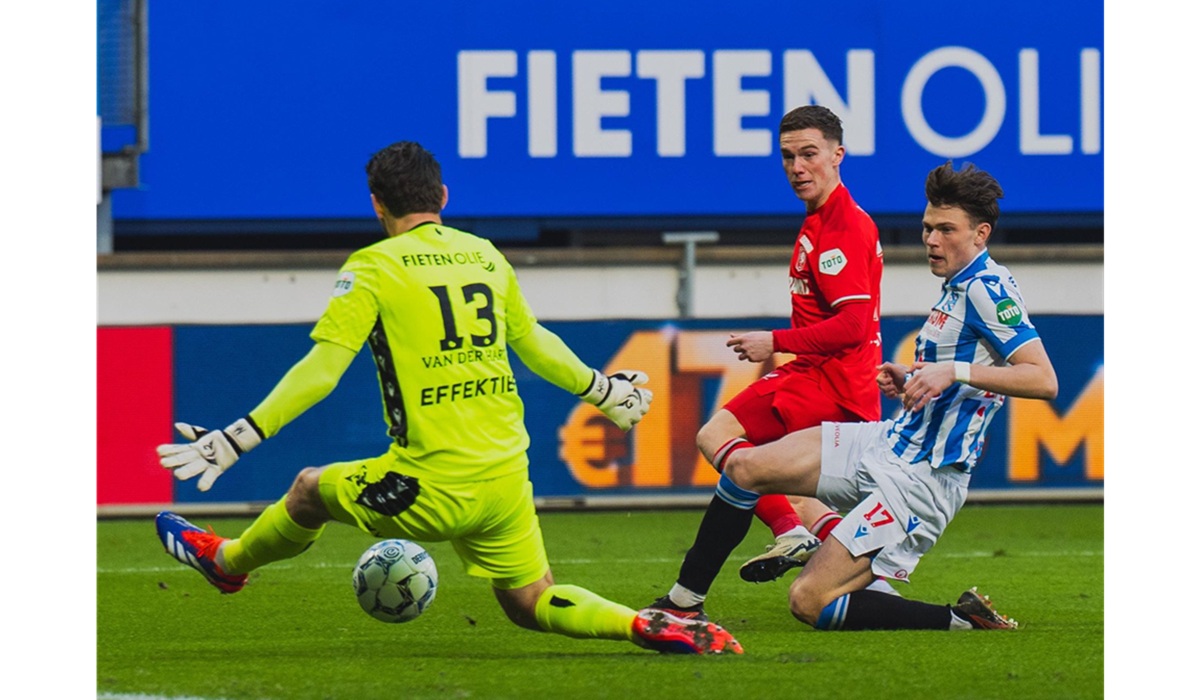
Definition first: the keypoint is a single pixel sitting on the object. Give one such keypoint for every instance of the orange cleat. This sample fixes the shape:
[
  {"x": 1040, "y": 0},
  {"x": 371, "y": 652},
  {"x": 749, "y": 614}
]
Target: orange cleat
[{"x": 666, "y": 633}]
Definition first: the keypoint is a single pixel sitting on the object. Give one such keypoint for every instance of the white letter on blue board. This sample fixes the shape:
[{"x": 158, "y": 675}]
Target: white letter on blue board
[
  {"x": 670, "y": 70},
  {"x": 805, "y": 83},
  {"x": 1033, "y": 142},
  {"x": 476, "y": 103},
  {"x": 731, "y": 103},
  {"x": 994, "y": 102},
  {"x": 591, "y": 103}
]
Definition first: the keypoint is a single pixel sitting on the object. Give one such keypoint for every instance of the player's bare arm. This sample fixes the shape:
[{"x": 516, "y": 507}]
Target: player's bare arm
[{"x": 1029, "y": 374}]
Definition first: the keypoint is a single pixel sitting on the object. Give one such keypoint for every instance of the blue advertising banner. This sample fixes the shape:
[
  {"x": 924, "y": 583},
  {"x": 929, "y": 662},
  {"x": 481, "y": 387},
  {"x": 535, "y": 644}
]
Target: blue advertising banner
[
  {"x": 575, "y": 451},
  {"x": 270, "y": 110}
]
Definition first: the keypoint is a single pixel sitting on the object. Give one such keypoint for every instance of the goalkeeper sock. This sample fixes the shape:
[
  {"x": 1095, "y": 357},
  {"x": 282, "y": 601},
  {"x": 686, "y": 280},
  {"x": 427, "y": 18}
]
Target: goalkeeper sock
[
  {"x": 272, "y": 537},
  {"x": 577, "y": 612}
]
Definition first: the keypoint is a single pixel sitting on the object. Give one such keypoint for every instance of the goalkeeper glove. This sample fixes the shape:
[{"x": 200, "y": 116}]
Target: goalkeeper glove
[
  {"x": 618, "y": 397},
  {"x": 210, "y": 452}
]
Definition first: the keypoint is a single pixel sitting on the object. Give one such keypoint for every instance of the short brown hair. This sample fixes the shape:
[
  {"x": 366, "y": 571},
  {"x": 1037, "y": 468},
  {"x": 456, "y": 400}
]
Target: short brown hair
[
  {"x": 406, "y": 179},
  {"x": 813, "y": 117},
  {"x": 973, "y": 190}
]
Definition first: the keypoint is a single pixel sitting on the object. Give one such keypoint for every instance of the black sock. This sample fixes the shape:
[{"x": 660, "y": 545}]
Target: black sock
[
  {"x": 722, "y": 529},
  {"x": 876, "y": 610}
]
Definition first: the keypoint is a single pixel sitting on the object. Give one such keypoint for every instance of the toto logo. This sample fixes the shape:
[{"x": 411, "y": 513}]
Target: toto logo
[{"x": 1008, "y": 312}]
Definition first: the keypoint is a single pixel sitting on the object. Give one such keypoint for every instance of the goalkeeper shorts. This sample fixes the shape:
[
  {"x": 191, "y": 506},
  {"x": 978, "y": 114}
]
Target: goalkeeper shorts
[{"x": 492, "y": 524}]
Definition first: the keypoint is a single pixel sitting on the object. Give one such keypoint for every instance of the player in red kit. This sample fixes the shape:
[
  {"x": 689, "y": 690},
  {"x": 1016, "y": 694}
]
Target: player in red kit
[{"x": 835, "y": 275}]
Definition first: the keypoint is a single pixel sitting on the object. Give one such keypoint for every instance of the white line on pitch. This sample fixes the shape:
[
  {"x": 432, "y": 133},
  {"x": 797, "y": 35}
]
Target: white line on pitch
[{"x": 657, "y": 560}]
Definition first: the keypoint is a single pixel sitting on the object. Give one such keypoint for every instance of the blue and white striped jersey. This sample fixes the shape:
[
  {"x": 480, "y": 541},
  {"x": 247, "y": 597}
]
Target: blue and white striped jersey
[{"x": 980, "y": 319}]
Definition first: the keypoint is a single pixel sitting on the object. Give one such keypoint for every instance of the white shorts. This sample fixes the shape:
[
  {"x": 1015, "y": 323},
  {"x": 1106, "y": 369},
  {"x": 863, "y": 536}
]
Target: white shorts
[{"x": 897, "y": 508}]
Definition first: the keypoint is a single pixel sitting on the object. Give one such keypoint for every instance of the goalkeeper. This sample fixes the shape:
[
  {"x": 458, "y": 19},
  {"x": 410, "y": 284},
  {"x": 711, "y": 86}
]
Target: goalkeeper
[{"x": 439, "y": 309}]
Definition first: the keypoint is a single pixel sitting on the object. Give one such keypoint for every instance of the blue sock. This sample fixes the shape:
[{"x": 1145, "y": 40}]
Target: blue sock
[
  {"x": 833, "y": 615},
  {"x": 734, "y": 495}
]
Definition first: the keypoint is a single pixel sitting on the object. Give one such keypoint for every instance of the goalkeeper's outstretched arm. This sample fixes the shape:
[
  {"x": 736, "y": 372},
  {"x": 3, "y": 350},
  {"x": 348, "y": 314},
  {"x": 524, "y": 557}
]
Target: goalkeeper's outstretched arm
[
  {"x": 549, "y": 357},
  {"x": 210, "y": 452},
  {"x": 617, "y": 395},
  {"x": 308, "y": 382}
]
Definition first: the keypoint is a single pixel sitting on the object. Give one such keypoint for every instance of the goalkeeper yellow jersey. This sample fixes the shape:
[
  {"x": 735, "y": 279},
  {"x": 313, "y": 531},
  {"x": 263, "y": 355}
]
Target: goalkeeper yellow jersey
[{"x": 437, "y": 308}]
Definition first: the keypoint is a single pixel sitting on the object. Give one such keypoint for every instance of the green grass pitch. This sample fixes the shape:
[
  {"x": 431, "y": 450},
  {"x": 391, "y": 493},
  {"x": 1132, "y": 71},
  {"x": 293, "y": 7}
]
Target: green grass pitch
[{"x": 296, "y": 632}]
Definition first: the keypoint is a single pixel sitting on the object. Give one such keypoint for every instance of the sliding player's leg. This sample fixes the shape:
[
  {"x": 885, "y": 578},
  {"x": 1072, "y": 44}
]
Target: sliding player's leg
[
  {"x": 800, "y": 400},
  {"x": 283, "y": 530},
  {"x": 901, "y": 512}
]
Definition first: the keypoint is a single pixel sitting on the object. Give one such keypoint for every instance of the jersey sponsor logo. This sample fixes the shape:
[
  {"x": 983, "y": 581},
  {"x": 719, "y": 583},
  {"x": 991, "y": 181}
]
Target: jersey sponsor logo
[
  {"x": 488, "y": 386},
  {"x": 472, "y": 257},
  {"x": 1008, "y": 312},
  {"x": 462, "y": 357},
  {"x": 799, "y": 286},
  {"x": 832, "y": 261},
  {"x": 932, "y": 330},
  {"x": 344, "y": 283}
]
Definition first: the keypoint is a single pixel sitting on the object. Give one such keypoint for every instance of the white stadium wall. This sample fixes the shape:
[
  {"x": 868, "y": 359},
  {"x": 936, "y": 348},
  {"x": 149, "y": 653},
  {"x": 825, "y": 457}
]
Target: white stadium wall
[{"x": 180, "y": 289}]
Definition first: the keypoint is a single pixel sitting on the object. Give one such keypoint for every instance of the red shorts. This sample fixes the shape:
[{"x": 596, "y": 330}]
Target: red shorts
[{"x": 785, "y": 400}]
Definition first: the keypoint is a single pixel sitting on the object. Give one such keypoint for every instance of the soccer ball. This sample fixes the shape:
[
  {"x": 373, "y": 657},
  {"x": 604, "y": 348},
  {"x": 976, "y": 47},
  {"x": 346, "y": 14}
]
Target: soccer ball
[{"x": 395, "y": 580}]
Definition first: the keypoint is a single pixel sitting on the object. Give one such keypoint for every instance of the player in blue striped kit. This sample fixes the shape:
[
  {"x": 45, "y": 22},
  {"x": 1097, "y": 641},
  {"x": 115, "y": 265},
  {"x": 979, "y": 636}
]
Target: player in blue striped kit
[{"x": 904, "y": 479}]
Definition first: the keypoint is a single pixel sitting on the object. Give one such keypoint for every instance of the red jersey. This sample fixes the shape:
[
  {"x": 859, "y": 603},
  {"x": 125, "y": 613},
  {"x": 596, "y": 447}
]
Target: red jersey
[{"x": 837, "y": 259}]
